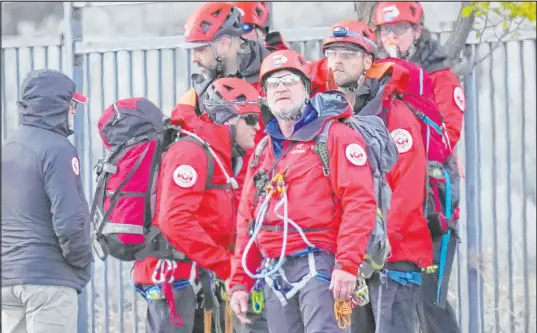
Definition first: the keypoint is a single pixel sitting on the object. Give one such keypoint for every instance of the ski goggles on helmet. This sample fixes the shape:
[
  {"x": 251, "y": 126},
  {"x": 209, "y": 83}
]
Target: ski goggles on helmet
[
  {"x": 250, "y": 119},
  {"x": 287, "y": 80},
  {"x": 340, "y": 32}
]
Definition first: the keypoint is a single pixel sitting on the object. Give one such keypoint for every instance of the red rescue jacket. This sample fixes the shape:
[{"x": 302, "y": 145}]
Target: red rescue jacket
[
  {"x": 341, "y": 209},
  {"x": 198, "y": 222},
  {"x": 408, "y": 233},
  {"x": 449, "y": 96}
]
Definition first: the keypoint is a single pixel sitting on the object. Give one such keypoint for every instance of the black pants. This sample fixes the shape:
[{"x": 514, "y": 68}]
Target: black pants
[{"x": 439, "y": 317}]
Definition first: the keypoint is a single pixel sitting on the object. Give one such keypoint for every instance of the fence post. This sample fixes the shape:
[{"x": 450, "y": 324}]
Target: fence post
[
  {"x": 472, "y": 240},
  {"x": 73, "y": 68}
]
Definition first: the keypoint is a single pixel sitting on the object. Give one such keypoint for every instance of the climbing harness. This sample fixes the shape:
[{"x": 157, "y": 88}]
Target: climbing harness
[
  {"x": 164, "y": 285},
  {"x": 272, "y": 271}
]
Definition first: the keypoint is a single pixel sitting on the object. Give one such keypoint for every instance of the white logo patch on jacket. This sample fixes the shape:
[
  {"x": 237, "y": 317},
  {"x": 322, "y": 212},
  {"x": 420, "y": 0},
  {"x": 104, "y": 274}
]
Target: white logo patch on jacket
[
  {"x": 458, "y": 97},
  {"x": 402, "y": 139},
  {"x": 356, "y": 154},
  {"x": 76, "y": 166},
  {"x": 185, "y": 176}
]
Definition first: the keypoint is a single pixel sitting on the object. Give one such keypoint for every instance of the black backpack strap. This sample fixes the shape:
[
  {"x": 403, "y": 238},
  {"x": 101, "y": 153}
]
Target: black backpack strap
[
  {"x": 210, "y": 165},
  {"x": 321, "y": 147}
]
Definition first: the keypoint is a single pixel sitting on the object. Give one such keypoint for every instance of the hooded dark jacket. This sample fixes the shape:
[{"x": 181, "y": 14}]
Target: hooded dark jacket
[{"x": 45, "y": 215}]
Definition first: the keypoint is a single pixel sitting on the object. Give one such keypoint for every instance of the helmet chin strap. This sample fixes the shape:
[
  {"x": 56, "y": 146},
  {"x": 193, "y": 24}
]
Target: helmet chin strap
[{"x": 219, "y": 70}]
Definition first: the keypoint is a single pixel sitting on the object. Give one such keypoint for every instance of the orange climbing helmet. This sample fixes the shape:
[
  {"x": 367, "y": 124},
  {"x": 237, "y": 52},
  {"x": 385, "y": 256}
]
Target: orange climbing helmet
[
  {"x": 354, "y": 32},
  {"x": 394, "y": 12},
  {"x": 255, "y": 14},
  {"x": 284, "y": 59},
  {"x": 211, "y": 21}
]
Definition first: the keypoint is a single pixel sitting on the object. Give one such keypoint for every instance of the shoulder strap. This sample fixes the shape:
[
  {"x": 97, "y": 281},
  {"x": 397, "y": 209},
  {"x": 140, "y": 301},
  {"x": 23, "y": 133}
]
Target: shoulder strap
[
  {"x": 210, "y": 164},
  {"x": 321, "y": 147}
]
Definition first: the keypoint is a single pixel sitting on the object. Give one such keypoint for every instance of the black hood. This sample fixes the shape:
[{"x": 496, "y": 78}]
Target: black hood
[
  {"x": 45, "y": 98},
  {"x": 429, "y": 54},
  {"x": 249, "y": 60}
]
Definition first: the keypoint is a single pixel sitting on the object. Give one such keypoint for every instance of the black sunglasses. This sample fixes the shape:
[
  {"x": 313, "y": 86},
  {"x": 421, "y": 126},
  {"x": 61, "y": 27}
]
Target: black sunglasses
[{"x": 250, "y": 119}]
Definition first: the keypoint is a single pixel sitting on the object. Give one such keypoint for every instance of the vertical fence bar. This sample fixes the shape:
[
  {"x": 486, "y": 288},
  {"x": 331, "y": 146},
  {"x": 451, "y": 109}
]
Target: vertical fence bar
[
  {"x": 524, "y": 202},
  {"x": 4, "y": 96},
  {"x": 159, "y": 78},
  {"x": 32, "y": 65},
  {"x": 174, "y": 75},
  {"x": 509, "y": 208},
  {"x": 18, "y": 75},
  {"x": 90, "y": 166},
  {"x": 106, "y": 308},
  {"x": 72, "y": 33},
  {"x": 494, "y": 197},
  {"x": 471, "y": 212},
  {"x": 134, "y": 293},
  {"x": 479, "y": 220}
]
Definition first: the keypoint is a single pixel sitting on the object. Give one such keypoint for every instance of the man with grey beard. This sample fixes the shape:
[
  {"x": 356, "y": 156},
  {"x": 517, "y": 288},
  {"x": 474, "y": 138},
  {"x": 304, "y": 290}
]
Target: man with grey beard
[{"x": 324, "y": 213}]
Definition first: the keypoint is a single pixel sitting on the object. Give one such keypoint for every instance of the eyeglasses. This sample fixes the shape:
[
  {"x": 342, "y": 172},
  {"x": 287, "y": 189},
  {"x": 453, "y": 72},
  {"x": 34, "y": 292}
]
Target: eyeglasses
[
  {"x": 250, "y": 119},
  {"x": 398, "y": 28},
  {"x": 343, "y": 54},
  {"x": 287, "y": 80},
  {"x": 340, "y": 32}
]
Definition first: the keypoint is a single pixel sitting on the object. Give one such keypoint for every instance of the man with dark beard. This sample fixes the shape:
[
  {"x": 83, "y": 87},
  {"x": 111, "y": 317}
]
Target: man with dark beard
[
  {"x": 215, "y": 34},
  {"x": 350, "y": 52}
]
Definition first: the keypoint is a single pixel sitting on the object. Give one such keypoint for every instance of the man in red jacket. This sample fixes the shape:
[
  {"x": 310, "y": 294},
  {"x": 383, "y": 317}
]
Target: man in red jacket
[
  {"x": 402, "y": 35},
  {"x": 300, "y": 227},
  {"x": 350, "y": 53},
  {"x": 197, "y": 214}
]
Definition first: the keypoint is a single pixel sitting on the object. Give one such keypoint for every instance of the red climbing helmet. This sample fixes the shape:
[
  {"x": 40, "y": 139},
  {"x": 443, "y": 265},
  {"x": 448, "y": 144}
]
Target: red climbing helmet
[
  {"x": 211, "y": 21},
  {"x": 394, "y": 12},
  {"x": 229, "y": 97},
  {"x": 285, "y": 59},
  {"x": 255, "y": 14},
  {"x": 354, "y": 32}
]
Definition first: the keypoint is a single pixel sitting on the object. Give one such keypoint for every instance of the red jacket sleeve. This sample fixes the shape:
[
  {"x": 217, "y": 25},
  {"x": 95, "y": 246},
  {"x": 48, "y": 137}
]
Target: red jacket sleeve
[
  {"x": 449, "y": 96},
  {"x": 182, "y": 185},
  {"x": 407, "y": 178},
  {"x": 239, "y": 279},
  {"x": 352, "y": 179}
]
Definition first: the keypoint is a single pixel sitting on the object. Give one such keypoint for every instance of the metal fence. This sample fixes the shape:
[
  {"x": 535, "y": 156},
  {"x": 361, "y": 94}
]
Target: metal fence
[{"x": 493, "y": 281}]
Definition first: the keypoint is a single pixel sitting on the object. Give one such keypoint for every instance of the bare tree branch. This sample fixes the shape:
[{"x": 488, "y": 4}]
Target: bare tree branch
[
  {"x": 365, "y": 11},
  {"x": 499, "y": 42}
]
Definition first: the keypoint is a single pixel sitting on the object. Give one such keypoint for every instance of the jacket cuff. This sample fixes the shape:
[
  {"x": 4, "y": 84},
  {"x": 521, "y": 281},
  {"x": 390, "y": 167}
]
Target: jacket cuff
[
  {"x": 237, "y": 287},
  {"x": 348, "y": 269}
]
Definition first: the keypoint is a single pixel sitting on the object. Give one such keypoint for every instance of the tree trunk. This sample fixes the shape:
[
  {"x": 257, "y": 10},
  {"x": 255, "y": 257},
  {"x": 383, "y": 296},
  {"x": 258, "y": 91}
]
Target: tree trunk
[
  {"x": 460, "y": 63},
  {"x": 365, "y": 11}
]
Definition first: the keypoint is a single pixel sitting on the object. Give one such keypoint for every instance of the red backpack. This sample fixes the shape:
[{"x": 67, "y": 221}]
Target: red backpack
[
  {"x": 137, "y": 134},
  {"x": 443, "y": 178}
]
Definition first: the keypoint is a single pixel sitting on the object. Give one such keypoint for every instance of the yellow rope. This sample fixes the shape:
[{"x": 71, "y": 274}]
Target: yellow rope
[
  {"x": 343, "y": 312},
  {"x": 207, "y": 321},
  {"x": 229, "y": 318}
]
